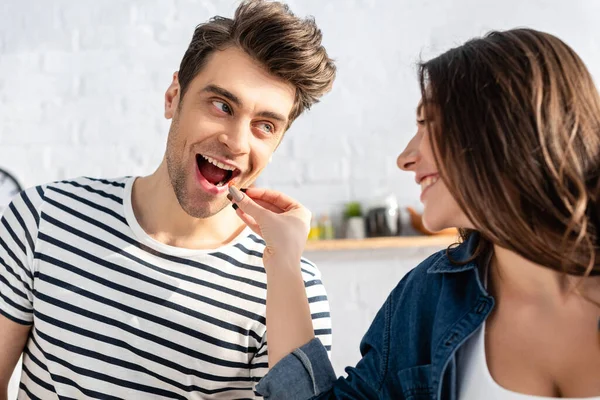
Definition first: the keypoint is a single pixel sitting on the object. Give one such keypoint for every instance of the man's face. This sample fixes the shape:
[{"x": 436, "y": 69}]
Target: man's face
[{"x": 232, "y": 117}]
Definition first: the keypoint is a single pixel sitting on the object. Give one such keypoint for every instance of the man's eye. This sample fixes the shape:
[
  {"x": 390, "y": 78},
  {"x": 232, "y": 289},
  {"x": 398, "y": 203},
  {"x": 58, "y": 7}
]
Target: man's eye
[
  {"x": 266, "y": 127},
  {"x": 222, "y": 106}
]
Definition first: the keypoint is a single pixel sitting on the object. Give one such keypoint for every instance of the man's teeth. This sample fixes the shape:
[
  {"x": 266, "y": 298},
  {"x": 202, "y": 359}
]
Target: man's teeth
[
  {"x": 428, "y": 181},
  {"x": 218, "y": 164}
]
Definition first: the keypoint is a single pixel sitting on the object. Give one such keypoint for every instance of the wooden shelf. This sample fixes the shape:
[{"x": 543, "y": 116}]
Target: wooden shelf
[{"x": 382, "y": 243}]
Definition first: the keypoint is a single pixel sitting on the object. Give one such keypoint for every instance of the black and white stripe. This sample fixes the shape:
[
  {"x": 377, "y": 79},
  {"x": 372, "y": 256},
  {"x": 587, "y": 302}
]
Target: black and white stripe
[{"x": 115, "y": 314}]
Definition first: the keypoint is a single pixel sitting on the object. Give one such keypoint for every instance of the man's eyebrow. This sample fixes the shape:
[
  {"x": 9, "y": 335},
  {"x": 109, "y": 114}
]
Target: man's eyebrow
[
  {"x": 272, "y": 115},
  {"x": 234, "y": 99},
  {"x": 223, "y": 92}
]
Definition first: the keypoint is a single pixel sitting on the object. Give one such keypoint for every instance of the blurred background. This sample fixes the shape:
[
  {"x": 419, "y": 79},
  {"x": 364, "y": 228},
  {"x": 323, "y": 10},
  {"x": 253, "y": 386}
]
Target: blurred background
[{"x": 82, "y": 85}]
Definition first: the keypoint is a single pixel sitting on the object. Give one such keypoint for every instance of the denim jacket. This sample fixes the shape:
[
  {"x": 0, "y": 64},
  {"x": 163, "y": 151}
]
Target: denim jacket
[{"x": 409, "y": 352}]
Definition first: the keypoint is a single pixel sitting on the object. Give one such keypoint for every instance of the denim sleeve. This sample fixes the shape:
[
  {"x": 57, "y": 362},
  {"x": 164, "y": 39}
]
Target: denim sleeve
[
  {"x": 308, "y": 374},
  {"x": 302, "y": 374}
]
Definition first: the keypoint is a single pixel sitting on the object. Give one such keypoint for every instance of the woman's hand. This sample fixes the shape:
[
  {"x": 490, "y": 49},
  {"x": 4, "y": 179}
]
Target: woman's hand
[
  {"x": 280, "y": 220},
  {"x": 284, "y": 224}
]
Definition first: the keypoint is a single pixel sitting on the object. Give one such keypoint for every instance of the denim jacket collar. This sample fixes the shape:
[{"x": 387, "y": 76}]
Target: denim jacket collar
[{"x": 476, "y": 311}]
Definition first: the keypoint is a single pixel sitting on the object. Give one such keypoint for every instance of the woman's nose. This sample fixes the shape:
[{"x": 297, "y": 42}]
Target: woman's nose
[{"x": 408, "y": 158}]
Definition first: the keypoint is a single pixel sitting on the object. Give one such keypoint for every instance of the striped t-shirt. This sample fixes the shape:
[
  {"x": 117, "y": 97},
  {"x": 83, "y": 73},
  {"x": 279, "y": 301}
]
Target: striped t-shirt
[{"x": 117, "y": 314}]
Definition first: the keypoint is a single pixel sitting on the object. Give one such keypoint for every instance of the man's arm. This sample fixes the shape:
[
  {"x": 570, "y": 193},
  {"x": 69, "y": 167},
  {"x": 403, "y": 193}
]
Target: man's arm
[
  {"x": 13, "y": 337},
  {"x": 18, "y": 235}
]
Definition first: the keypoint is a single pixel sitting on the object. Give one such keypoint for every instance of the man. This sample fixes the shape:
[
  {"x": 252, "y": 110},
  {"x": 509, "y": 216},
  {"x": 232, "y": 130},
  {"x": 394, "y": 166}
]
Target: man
[{"x": 153, "y": 287}]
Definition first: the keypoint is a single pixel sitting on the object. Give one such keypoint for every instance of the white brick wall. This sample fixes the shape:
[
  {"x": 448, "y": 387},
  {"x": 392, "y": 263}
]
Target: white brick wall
[{"x": 82, "y": 83}]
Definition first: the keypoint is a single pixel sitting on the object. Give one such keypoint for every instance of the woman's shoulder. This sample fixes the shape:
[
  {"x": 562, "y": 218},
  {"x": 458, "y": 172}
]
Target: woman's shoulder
[
  {"x": 443, "y": 274},
  {"x": 425, "y": 303},
  {"x": 421, "y": 275}
]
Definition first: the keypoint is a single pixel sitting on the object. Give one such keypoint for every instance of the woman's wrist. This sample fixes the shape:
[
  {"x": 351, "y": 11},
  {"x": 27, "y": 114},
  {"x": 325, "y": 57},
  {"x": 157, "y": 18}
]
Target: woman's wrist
[{"x": 280, "y": 260}]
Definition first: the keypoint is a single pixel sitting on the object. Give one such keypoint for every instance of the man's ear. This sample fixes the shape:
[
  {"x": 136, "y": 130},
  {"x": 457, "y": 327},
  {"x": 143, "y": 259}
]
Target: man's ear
[{"x": 172, "y": 97}]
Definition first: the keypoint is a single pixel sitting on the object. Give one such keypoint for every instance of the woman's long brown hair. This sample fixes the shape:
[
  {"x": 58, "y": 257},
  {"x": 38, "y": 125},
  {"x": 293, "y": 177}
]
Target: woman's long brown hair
[{"x": 515, "y": 127}]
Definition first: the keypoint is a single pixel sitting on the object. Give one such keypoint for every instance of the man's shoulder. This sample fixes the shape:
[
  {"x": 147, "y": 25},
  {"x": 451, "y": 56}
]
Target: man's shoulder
[
  {"x": 82, "y": 188},
  {"x": 76, "y": 184},
  {"x": 79, "y": 190},
  {"x": 84, "y": 183}
]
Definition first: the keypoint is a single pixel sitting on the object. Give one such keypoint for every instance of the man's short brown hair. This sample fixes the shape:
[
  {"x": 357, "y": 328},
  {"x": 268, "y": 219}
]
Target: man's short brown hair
[{"x": 287, "y": 46}]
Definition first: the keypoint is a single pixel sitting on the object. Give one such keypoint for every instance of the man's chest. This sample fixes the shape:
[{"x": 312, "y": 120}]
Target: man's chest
[{"x": 131, "y": 303}]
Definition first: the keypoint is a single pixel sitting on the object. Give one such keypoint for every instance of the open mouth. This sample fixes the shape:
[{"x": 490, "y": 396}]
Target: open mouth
[{"x": 215, "y": 172}]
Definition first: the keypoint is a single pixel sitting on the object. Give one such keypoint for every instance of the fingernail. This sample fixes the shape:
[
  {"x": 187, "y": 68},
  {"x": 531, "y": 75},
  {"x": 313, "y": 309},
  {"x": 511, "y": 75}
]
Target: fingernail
[
  {"x": 235, "y": 206},
  {"x": 229, "y": 197},
  {"x": 235, "y": 193},
  {"x": 243, "y": 190}
]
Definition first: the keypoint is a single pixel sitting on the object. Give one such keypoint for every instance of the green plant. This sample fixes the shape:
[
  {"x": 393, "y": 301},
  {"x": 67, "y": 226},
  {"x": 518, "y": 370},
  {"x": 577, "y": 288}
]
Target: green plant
[{"x": 353, "y": 209}]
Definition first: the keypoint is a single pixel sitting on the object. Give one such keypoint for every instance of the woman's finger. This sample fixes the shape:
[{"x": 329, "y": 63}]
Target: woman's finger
[
  {"x": 249, "y": 221},
  {"x": 278, "y": 199},
  {"x": 246, "y": 204},
  {"x": 269, "y": 206}
]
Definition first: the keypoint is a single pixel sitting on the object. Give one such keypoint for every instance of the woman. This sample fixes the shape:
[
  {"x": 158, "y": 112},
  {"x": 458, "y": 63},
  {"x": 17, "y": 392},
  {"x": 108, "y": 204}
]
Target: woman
[{"x": 508, "y": 150}]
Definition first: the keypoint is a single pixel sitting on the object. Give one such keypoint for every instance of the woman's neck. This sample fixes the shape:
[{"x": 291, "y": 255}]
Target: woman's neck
[{"x": 518, "y": 277}]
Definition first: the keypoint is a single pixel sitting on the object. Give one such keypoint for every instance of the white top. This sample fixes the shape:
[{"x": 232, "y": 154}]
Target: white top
[
  {"x": 116, "y": 314},
  {"x": 475, "y": 382},
  {"x": 474, "y": 379}
]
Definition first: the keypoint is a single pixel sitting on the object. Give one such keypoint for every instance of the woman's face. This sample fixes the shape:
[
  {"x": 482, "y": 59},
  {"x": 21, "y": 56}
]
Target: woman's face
[{"x": 441, "y": 211}]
